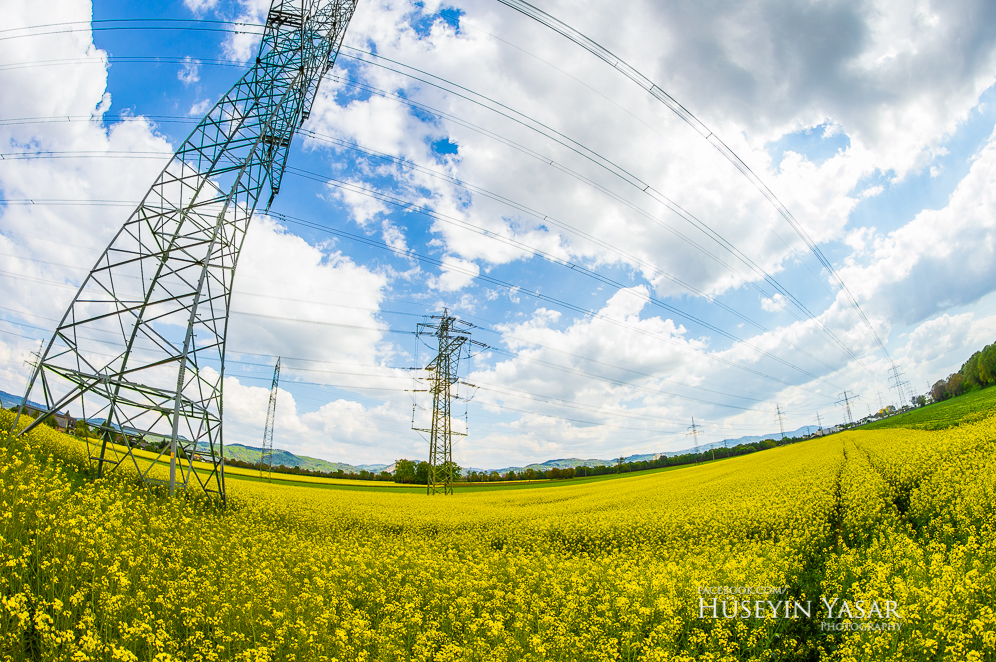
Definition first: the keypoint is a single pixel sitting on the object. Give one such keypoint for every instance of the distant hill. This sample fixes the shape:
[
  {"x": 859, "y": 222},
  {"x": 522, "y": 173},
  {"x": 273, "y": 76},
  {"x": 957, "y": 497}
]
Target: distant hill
[
  {"x": 573, "y": 462},
  {"x": 8, "y": 400},
  {"x": 288, "y": 459}
]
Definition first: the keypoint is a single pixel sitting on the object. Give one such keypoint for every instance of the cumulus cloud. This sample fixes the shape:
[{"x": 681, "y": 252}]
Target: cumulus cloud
[
  {"x": 48, "y": 247},
  {"x": 200, "y": 108},
  {"x": 774, "y": 303},
  {"x": 199, "y": 6},
  {"x": 189, "y": 71},
  {"x": 940, "y": 259},
  {"x": 455, "y": 275}
]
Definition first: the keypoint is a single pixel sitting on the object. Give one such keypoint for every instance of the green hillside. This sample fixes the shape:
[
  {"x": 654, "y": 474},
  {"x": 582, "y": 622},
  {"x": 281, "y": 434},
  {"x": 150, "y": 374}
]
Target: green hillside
[
  {"x": 288, "y": 459},
  {"x": 966, "y": 408}
]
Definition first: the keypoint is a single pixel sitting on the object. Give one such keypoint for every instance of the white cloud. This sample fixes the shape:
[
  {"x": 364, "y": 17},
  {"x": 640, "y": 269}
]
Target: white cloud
[
  {"x": 200, "y": 6},
  {"x": 189, "y": 71},
  {"x": 940, "y": 259},
  {"x": 362, "y": 207},
  {"x": 52, "y": 246},
  {"x": 200, "y": 108},
  {"x": 940, "y": 336},
  {"x": 939, "y": 346},
  {"x": 773, "y": 304},
  {"x": 456, "y": 275},
  {"x": 564, "y": 364},
  {"x": 242, "y": 45},
  {"x": 324, "y": 285}
]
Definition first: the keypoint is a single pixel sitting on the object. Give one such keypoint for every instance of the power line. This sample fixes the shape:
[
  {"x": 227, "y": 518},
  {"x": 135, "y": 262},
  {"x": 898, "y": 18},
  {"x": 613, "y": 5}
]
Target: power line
[
  {"x": 493, "y": 280},
  {"x": 518, "y": 289},
  {"x": 409, "y": 207},
  {"x": 619, "y": 65},
  {"x": 519, "y": 356},
  {"x": 538, "y": 215},
  {"x": 607, "y": 56},
  {"x": 611, "y": 167}
]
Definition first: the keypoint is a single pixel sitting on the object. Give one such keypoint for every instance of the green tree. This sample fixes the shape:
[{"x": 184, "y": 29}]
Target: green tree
[
  {"x": 987, "y": 365},
  {"x": 451, "y": 468},
  {"x": 404, "y": 471},
  {"x": 422, "y": 473}
]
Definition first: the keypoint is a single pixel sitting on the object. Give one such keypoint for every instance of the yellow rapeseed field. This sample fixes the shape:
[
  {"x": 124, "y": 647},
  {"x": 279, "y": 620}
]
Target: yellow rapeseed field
[{"x": 623, "y": 569}]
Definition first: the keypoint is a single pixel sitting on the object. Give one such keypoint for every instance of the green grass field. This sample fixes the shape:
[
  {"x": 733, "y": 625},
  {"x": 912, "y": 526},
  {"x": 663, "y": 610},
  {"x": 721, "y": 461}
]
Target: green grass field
[{"x": 966, "y": 408}]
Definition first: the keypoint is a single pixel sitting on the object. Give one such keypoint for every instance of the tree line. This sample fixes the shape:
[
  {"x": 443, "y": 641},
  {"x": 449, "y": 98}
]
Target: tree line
[
  {"x": 363, "y": 474},
  {"x": 979, "y": 371},
  {"x": 413, "y": 471},
  {"x": 417, "y": 472}
]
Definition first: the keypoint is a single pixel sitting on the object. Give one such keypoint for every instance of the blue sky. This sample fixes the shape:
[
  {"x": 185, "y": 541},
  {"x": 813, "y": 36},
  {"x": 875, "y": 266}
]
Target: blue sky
[{"x": 477, "y": 123}]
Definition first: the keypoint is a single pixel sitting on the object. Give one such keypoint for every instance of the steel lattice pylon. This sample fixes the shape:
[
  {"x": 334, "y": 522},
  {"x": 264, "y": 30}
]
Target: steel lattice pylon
[
  {"x": 453, "y": 335},
  {"x": 266, "y": 453},
  {"x": 142, "y": 347}
]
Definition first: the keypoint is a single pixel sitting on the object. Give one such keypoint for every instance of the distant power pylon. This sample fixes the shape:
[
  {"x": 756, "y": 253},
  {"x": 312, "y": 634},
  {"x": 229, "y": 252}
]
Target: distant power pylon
[
  {"x": 266, "y": 452},
  {"x": 141, "y": 349},
  {"x": 819, "y": 422},
  {"x": 846, "y": 400},
  {"x": 453, "y": 336},
  {"x": 694, "y": 432},
  {"x": 896, "y": 377},
  {"x": 781, "y": 420}
]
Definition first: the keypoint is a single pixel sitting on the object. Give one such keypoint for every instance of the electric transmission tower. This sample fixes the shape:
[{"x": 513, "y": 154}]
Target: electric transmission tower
[
  {"x": 846, "y": 400},
  {"x": 693, "y": 430},
  {"x": 901, "y": 386},
  {"x": 781, "y": 420},
  {"x": 819, "y": 421},
  {"x": 142, "y": 346},
  {"x": 266, "y": 452},
  {"x": 453, "y": 336}
]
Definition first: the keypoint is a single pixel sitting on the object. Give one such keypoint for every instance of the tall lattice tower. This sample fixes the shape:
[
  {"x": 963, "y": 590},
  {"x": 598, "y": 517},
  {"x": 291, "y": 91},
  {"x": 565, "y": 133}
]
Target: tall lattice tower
[
  {"x": 846, "y": 399},
  {"x": 266, "y": 452},
  {"x": 453, "y": 336},
  {"x": 142, "y": 347},
  {"x": 694, "y": 431}
]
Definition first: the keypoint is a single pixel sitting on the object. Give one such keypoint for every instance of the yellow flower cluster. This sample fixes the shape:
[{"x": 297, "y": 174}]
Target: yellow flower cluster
[
  {"x": 919, "y": 526},
  {"x": 615, "y": 569}
]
